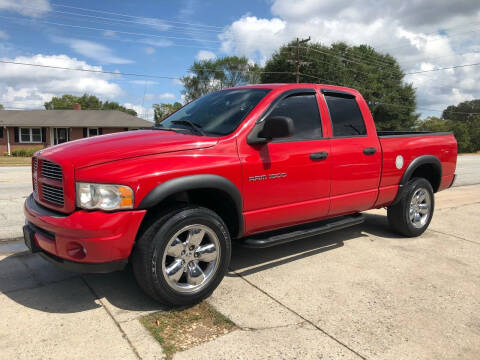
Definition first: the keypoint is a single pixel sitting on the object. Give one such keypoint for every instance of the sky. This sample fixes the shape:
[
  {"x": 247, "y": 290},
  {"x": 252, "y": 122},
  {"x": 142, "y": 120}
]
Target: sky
[{"x": 163, "y": 38}]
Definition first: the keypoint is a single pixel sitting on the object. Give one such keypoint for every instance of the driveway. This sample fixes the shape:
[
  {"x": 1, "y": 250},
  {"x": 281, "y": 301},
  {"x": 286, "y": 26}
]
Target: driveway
[{"x": 359, "y": 293}]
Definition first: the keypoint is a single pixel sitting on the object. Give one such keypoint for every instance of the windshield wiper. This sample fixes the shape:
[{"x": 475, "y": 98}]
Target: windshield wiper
[{"x": 192, "y": 125}]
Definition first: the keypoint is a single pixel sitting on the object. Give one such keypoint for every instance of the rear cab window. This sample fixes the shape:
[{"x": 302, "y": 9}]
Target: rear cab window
[{"x": 345, "y": 115}]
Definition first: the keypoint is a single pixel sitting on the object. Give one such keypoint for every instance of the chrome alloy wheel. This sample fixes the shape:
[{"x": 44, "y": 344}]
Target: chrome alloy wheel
[
  {"x": 191, "y": 258},
  {"x": 420, "y": 206}
]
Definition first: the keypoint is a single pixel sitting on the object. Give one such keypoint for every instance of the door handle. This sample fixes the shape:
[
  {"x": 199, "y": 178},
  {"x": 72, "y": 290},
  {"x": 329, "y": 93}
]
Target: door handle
[
  {"x": 369, "y": 151},
  {"x": 319, "y": 156}
]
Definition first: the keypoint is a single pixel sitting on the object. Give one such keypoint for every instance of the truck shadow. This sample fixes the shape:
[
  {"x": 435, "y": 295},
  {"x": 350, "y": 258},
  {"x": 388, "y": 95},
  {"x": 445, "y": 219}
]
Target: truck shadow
[
  {"x": 247, "y": 261},
  {"x": 30, "y": 281}
]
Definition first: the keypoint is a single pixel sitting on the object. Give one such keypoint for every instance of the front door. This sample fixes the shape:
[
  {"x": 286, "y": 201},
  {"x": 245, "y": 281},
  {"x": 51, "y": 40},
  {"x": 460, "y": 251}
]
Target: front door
[
  {"x": 287, "y": 181},
  {"x": 61, "y": 135}
]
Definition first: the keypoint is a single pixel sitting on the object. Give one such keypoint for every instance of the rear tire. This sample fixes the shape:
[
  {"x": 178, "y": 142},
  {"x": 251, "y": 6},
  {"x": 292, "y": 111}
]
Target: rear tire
[
  {"x": 182, "y": 256},
  {"x": 412, "y": 214}
]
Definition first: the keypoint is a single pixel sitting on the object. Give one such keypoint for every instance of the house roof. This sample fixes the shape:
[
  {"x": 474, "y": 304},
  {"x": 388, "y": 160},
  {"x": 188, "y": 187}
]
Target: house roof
[{"x": 71, "y": 118}]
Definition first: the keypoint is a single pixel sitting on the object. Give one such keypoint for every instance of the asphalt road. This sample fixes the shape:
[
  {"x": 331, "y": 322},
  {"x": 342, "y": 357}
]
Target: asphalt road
[{"x": 15, "y": 186}]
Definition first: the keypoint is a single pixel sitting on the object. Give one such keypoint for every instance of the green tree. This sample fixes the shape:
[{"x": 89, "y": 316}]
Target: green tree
[
  {"x": 377, "y": 76},
  {"x": 112, "y": 105},
  {"x": 88, "y": 102},
  {"x": 211, "y": 75},
  {"x": 465, "y": 124},
  {"x": 161, "y": 111},
  {"x": 434, "y": 123},
  {"x": 1, "y": 107}
]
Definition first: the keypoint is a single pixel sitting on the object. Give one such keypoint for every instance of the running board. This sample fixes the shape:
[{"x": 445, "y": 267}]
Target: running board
[{"x": 282, "y": 236}]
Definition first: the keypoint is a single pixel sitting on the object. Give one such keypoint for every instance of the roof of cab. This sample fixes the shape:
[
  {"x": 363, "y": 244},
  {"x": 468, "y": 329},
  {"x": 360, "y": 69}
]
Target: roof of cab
[{"x": 288, "y": 86}]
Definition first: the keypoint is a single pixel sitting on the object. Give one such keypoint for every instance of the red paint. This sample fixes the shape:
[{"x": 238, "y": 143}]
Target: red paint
[{"x": 347, "y": 181}]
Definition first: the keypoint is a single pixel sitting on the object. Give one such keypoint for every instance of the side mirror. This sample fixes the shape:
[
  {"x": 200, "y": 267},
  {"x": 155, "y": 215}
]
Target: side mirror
[{"x": 274, "y": 127}]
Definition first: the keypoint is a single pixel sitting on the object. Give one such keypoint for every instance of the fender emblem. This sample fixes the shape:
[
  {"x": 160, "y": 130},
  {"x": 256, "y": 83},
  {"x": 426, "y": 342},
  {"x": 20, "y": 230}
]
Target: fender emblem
[{"x": 265, "y": 177}]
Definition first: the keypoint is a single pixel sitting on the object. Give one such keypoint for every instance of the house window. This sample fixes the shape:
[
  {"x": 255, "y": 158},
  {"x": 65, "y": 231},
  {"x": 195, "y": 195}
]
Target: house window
[
  {"x": 92, "y": 132},
  {"x": 31, "y": 135}
]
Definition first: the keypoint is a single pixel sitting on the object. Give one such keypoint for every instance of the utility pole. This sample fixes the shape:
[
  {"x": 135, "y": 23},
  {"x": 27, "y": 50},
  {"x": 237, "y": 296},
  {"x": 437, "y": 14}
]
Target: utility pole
[{"x": 297, "y": 61}]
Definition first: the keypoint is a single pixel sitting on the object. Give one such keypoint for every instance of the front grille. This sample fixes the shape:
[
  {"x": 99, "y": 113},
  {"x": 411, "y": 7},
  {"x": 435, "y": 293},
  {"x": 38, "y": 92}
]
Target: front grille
[
  {"x": 51, "y": 170},
  {"x": 52, "y": 194},
  {"x": 34, "y": 176}
]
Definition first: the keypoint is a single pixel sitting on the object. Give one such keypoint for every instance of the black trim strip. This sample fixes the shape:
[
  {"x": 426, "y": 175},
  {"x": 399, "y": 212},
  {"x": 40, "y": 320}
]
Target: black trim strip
[
  {"x": 31, "y": 204},
  {"x": 395, "y": 134},
  {"x": 415, "y": 164},
  {"x": 338, "y": 93},
  {"x": 192, "y": 182},
  {"x": 88, "y": 268}
]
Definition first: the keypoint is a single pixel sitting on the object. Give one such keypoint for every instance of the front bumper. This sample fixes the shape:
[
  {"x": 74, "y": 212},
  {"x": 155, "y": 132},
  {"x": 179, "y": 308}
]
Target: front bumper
[{"x": 83, "y": 241}]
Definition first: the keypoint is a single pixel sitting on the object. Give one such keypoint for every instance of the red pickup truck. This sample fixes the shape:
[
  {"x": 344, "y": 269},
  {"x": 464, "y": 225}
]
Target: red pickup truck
[{"x": 256, "y": 165}]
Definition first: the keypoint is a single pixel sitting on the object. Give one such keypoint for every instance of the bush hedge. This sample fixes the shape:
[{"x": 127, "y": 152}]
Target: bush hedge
[{"x": 26, "y": 152}]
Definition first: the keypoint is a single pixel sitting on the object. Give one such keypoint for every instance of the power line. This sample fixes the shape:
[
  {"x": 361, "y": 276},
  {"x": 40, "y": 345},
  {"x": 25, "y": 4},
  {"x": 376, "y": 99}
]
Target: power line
[
  {"x": 91, "y": 70},
  {"x": 136, "y": 17},
  {"x": 167, "y": 29},
  {"x": 179, "y": 78},
  {"x": 117, "y": 73},
  {"x": 378, "y": 62},
  {"x": 444, "y": 68},
  {"x": 140, "y": 21},
  {"x": 390, "y": 104},
  {"x": 117, "y": 31}
]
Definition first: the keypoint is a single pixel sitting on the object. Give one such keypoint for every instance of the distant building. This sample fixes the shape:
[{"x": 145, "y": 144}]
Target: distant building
[{"x": 29, "y": 128}]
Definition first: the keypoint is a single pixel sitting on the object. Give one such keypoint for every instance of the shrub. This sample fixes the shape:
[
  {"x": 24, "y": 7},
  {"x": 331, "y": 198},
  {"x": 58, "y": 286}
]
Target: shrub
[{"x": 26, "y": 152}]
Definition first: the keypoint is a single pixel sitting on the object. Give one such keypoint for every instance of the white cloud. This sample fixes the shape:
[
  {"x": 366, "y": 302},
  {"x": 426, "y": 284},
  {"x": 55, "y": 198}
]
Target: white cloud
[
  {"x": 33, "y": 8},
  {"x": 409, "y": 31},
  {"x": 149, "y": 50},
  {"x": 156, "y": 43},
  {"x": 143, "y": 82},
  {"x": 177, "y": 82},
  {"x": 3, "y": 35},
  {"x": 162, "y": 96},
  {"x": 109, "y": 33},
  {"x": 142, "y": 112},
  {"x": 93, "y": 50},
  {"x": 156, "y": 24},
  {"x": 29, "y": 87},
  {"x": 205, "y": 55}
]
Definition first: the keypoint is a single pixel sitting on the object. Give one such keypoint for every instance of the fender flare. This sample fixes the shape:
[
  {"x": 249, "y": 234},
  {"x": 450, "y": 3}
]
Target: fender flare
[
  {"x": 414, "y": 165},
  {"x": 192, "y": 182}
]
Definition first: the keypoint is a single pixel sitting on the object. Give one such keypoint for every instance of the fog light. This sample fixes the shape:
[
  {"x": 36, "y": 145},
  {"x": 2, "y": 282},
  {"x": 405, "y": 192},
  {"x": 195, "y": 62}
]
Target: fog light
[{"x": 76, "y": 251}]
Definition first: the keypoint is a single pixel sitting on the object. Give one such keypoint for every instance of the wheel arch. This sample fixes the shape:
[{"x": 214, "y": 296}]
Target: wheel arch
[
  {"x": 425, "y": 166},
  {"x": 202, "y": 189}
]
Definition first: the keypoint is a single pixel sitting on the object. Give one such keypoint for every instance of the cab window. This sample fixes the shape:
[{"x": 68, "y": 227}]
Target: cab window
[{"x": 303, "y": 110}]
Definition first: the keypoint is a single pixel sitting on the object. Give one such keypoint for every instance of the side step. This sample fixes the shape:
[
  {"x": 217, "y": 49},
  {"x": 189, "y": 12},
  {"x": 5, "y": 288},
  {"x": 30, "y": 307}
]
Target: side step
[{"x": 282, "y": 236}]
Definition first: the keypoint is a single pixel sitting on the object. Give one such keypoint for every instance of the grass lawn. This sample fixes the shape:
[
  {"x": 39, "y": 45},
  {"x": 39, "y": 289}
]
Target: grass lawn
[
  {"x": 15, "y": 161},
  {"x": 179, "y": 330}
]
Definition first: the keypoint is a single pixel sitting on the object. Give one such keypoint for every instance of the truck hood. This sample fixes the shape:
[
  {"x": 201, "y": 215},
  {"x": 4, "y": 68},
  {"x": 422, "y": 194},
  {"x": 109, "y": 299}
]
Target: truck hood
[{"x": 106, "y": 148}]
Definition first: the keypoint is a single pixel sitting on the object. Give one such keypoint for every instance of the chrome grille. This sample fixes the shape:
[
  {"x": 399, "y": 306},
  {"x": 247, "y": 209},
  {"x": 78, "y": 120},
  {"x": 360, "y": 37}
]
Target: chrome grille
[
  {"x": 52, "y": 194},
  {"x": 51, "y": 170},
  {"x": 34, "y": 175}
]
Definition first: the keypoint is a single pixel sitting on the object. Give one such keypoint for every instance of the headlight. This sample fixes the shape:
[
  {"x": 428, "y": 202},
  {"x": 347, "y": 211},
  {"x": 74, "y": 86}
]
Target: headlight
[{"x": 104, "y": 196}]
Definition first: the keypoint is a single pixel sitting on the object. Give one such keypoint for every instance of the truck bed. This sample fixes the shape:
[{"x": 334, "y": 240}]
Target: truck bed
[{"x": 410, "y": 145}]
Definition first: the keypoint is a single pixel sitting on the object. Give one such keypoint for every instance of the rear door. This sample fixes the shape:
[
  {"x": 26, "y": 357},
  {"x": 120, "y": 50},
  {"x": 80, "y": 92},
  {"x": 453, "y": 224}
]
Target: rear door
[
  {"x": 287, "y": 181},
  {"x": 355, "y": 154}
]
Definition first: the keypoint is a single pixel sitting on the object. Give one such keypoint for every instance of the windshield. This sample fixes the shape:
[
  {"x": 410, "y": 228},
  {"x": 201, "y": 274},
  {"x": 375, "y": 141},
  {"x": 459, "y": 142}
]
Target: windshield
[{"x": 218, "y": 113}]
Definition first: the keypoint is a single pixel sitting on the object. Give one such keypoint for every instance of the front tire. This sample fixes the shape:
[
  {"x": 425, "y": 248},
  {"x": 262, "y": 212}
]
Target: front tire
[
  {"x": 412, "y": 214},
  {"x": 183, "y": 255}
]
